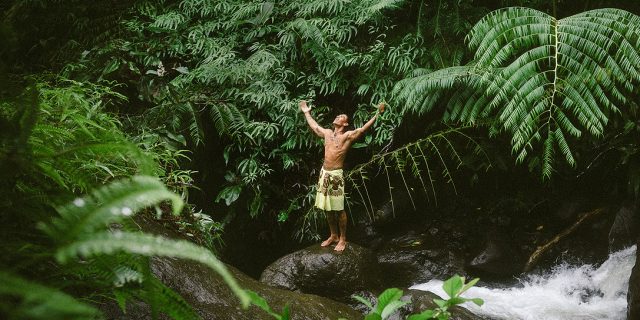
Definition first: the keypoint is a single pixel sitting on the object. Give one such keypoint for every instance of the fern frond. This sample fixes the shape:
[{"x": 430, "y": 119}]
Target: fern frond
[
  {"x": 106, "y": 243},
  {"x": 35, "y": 301},
  {"x": 110, "y": 203},
  {"x": 545, "y": 79}
]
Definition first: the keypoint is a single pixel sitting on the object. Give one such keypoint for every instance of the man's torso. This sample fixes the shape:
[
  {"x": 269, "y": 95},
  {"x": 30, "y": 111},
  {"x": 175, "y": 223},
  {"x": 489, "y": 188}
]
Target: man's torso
[{"x": 335, "y": 150}]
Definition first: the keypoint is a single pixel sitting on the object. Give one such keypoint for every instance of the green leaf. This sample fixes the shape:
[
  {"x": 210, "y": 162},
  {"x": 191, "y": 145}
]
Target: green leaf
[
  {"x": 121, "y": 297},
  {"x": 113, "y": 65},
  {"x": 108, "y": 204},
  {"x": 386, "y": 297},
  {"x": 258, "y": 301},
  {"x": 229, "y": 194},
  {"x": 441, "y": 303},
  {"x": 286, "y": 313},
  {"x": 455, "y": 301},
  {"x": 392, "y": 307},
  {"x": 373, "y": 316},
  {"x": 477, "y": 301},
  {"x": 469, "y": 285},
  {"x": 424, "y": 315},
  {"x": 452, "y": 285}
]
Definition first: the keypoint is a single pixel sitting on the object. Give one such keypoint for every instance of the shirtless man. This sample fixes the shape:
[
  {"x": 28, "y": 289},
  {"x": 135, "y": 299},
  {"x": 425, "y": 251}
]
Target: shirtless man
[{"x": 330, "y": 196}]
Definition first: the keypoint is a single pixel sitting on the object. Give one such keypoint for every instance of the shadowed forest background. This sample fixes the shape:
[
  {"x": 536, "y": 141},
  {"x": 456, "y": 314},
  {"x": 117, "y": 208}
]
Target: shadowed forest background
[{"x": 191, "y": 107}]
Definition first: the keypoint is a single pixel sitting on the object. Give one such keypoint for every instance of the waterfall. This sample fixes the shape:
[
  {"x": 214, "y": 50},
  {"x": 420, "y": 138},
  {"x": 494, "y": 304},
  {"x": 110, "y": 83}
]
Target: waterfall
[{"x": 566, "y": 292}]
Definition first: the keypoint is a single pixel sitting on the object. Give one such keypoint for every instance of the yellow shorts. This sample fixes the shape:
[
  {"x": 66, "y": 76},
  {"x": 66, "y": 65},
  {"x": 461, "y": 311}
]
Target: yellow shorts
[{"x": 330, "y": 196}]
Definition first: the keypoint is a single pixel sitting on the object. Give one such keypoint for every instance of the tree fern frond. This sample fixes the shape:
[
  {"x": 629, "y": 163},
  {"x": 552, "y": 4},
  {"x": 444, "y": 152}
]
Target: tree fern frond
[
  {"x": 106, "y": 243},
  {"x": 544, "y": 76},
  {"x": 413, "y": 91}
]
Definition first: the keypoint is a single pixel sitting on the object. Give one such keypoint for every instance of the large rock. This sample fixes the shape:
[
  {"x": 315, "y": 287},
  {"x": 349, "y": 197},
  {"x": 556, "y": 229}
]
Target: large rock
[
  {"x": 211, "y": 298},
  {"x": 410, "y": 257},
  {"x": 323, "y": 271},
  {"x": 624, "y": 229},
  {"x": 497, "y": 259}
]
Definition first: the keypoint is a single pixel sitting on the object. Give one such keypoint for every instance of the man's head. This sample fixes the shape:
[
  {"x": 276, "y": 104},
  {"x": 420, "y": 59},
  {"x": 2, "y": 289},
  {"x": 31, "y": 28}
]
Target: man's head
[{"x": 341, "y": 120}]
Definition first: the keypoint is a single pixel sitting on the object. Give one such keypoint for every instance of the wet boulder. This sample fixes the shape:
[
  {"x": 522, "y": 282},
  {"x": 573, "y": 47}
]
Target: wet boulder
[
  {"x": 205, "y": 291},
  {"x": 323, "y": 271},
  {"x": 496, "y": 259},
  {"x": 416, "y": 263},
  {"x": 624, "y": 229}
]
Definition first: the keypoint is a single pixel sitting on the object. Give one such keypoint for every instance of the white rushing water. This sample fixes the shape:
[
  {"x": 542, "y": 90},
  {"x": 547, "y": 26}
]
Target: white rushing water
[{"x": 567, "y": 292}]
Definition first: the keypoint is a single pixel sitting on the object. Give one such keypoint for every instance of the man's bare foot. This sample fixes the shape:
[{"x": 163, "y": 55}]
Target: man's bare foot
[
  {"x": 329, "y": 241},
  {"x": 341, "y": 245}
]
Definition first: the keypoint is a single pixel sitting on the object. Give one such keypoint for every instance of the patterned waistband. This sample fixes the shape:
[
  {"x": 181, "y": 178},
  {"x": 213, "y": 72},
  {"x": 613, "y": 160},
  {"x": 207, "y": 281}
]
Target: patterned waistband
[{"x": 331, "y": 171}]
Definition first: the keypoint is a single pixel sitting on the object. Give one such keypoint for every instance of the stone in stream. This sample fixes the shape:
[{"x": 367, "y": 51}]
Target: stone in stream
[
  {"x": 322, "y": 271},
  {"x": 497, "y": 258},
  {"x": 406, "y": 266},
  {"x": 624, "y": 229}
]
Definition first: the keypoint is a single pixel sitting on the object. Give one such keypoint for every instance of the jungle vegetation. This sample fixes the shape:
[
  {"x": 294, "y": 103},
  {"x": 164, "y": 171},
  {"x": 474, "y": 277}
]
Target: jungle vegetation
[{"x": 186, "y": 112}]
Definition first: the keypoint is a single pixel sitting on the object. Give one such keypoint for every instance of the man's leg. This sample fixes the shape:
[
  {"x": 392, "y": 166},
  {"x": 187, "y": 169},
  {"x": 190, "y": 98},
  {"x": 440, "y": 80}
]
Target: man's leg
[
  {"x": 342, "y": 222},
  {"x": 333, "y": 228}
]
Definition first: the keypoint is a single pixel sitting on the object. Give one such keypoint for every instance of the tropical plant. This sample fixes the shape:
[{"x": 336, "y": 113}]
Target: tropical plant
[
  {"x": 63, "y": 253},
  {"x": 230, "y": 73},
  {"x": 454, "y": 287},
  {"x": 390, "y": 301},
  {"x": 539, "y": 78},
  {"x": 261, "y": 303}
]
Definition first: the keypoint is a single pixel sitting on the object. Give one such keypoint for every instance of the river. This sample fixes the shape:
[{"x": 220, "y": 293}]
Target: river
[{"x": 566, "y": 292}]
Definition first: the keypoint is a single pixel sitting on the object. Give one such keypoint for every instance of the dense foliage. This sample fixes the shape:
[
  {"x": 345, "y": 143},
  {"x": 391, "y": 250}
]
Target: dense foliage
[{"x": 126, "y": 103}]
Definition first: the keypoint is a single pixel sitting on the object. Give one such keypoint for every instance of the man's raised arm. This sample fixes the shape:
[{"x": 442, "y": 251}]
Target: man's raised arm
[
  {"x": 319, "y": 131},
  {"x": 355, "y": 134}
]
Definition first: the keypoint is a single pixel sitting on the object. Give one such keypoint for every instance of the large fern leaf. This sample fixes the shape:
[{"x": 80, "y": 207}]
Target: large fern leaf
[
  {"x": 546, "y": 79},
  {"x": 106, "y": 243}
]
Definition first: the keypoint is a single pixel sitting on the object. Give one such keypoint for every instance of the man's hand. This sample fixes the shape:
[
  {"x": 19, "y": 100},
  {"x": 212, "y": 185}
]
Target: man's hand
[
  {"x": 381, "y": 107},
  {"x": 304, "y": 107}
]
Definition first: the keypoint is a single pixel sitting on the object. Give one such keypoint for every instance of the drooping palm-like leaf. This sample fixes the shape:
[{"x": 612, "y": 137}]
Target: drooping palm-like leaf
[
  {"x": 544, "y": 79},
  {"x": 109, "y": 204},
  {"x": 106, "y": 243}
]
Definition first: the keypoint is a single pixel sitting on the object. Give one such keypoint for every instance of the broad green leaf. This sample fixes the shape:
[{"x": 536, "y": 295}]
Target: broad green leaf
[
  {"x": 386, "y": 297},
  {"x": 477, "y": 301},
  {"x": 469, "y": 285},
  {"x": 424, "y": 315},
  {"x": 453, "y": 285},
  {"x": 258, "y": 301},
  {"x": 392, "y": 307},
  {"x": 456, "y": 300},
  {"x": 441, "y": 303},
  {"x": 373, "y": 316}
]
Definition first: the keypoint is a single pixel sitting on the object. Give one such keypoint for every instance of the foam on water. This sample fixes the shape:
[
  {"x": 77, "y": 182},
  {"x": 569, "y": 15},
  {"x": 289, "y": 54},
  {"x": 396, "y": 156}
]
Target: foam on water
[{"x": 567, "y": 292}]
